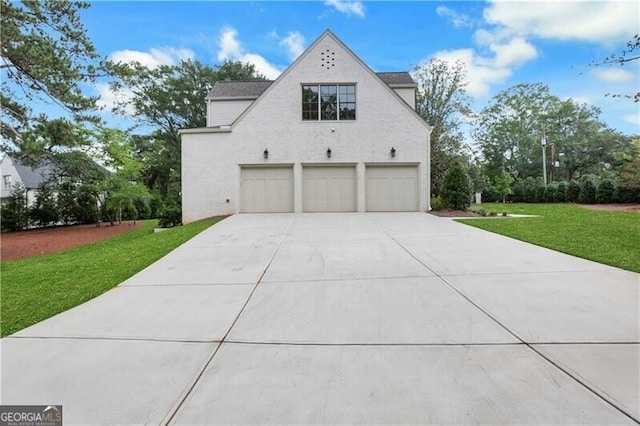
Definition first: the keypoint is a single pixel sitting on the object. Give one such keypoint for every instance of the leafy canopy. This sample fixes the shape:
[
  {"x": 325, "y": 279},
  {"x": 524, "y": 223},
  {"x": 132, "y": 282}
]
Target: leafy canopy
[{"x": 46, "y": 56}]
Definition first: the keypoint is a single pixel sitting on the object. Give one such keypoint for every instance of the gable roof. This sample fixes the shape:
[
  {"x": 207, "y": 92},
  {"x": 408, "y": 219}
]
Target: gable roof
[
  {"x": 32, "y": 176},
  {"x": 330, "y": 34},
  {"x": 222, "y": 90}
]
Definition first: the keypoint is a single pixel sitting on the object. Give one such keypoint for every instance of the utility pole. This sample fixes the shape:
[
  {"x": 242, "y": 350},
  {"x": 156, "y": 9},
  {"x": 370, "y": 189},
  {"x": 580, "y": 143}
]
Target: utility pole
[{"x": 543, "y": 142}]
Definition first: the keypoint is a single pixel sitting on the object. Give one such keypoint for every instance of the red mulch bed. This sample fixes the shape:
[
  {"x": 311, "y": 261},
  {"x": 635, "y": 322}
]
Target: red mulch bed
[
  {"x": 34, "y": 242},
  {"x": 613, "y": 207}
]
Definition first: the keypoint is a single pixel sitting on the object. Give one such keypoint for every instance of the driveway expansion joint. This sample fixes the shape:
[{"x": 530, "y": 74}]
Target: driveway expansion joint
[
  {"x": 176, "y": 408},
  {"x": 601, "y": 395}
]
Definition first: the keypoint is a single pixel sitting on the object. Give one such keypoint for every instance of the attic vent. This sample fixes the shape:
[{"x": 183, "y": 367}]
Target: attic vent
[{"x": 328, "y": 59}]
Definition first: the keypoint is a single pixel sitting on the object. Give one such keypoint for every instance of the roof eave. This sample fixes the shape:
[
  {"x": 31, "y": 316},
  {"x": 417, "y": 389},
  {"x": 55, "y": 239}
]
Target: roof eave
[{"x": 231, "y": 98}]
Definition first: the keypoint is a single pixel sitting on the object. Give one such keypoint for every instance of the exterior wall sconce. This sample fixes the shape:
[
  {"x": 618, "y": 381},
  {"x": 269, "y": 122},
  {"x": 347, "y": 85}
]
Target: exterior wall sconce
[
  {"x": 329, "y": 153},
  {"x": 393, "y": 152},
  {"x": 266, "y": 153}
]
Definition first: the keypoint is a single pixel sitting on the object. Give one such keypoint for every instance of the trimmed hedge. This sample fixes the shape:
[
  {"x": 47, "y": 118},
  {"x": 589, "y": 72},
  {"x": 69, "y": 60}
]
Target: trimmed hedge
[{"x": 588, "y": 191}]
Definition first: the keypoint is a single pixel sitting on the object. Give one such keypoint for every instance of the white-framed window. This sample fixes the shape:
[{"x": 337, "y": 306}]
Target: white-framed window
[
  {"x": 328, "y": 102},
  {"x": 6, "y": 181}
]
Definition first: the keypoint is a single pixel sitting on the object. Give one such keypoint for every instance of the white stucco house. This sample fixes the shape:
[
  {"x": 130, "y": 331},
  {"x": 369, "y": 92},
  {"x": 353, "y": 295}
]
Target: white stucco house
[
  {"x": 14, "y": 171},
  {"x": 328, "y": 135}
]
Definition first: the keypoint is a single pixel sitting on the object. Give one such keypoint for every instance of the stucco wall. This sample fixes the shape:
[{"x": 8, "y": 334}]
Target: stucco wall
[
  {"x": 210, "y": 161},
  {"x": 408, "y": 94},
  {"x": 220, "y": 113}
]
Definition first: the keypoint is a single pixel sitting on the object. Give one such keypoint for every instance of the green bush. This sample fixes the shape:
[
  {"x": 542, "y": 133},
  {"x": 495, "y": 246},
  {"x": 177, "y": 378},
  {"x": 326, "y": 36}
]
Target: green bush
[
  {"x": 437, "y": 204},
  {"x": 155, "y": 206},
  {"x": 534, "y": 190},
  {"x": 15, "y": 213},
  {"x": 519, "y": 191},
  {"x": 171, "y": 214},
  {"x": 588, "y": 191},
  {"x": 550, "y": 192},
  {"x": 539, "y": 193},
  {"x": 606, "y": 191},
  {"x": 44, "y": 211},
  {"x": 573, "y": 191},
  {"x": 627, "y": 195},
  {"x": 561, "y": 193},
  {"x": 456, "y": 188},
  {"x": 143, "y": 208},
  {"x": 490, "y": 195}
]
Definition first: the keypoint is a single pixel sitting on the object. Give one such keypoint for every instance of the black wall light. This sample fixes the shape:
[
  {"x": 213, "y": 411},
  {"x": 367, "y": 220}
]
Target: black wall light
[
  {"x": 393, "y": 152},
  {"x": 266, "y": 153},
  {"x": 329, "y": 153}
]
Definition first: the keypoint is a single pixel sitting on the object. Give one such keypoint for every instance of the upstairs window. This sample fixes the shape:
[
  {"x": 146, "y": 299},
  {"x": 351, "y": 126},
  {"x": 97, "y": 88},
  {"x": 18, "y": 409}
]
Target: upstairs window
[
  {"x": 6, "y": 182},
  {"x": 328, "y": 102}
]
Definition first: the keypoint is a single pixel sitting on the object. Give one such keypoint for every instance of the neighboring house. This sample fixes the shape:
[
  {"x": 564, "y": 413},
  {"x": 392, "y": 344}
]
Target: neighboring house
[
  {"x": 328, "y": 135},
  {"x": 15, "y": 171}
]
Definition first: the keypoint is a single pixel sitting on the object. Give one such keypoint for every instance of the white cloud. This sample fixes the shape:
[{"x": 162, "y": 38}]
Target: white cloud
[
  {"x": 459, "y": 20},
  {"x": 262, "y": 65},
  {"x": 513, "y": 53},
  {"x": 232, "y": 50},
  {"x": 484, "y": 71},
  {"x": 229, "y": 45},
  {"x": 347, "y": 7},
  {"x": 294, "y": 43},
  {"x": 155, "y": 57},
  {"x": 613, "y": 75},
  {"x": 597, "y": 22},
  {"x": 109, "y": 98},
  {"x": 633, "y": 119}
]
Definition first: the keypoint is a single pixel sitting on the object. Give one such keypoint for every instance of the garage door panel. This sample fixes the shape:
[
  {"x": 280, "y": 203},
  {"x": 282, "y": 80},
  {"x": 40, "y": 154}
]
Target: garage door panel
[
  {"x": 266, "y": 189},
  {"x": 392, "y": 188},
  {"x": 329, "y": 189}
]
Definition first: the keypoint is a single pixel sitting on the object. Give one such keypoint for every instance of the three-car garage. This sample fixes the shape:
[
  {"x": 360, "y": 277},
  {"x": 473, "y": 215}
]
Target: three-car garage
[{"x": 329, "y": 188}]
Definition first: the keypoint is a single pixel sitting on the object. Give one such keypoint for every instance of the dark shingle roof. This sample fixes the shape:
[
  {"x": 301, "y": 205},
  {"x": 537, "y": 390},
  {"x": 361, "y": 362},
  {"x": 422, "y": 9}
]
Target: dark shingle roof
[
  {"x": 253, "y": 89},
  {"x": 397, "y": 78},
  {"x": 238, "y": 89},
  {"x": 32, "y": 177}
]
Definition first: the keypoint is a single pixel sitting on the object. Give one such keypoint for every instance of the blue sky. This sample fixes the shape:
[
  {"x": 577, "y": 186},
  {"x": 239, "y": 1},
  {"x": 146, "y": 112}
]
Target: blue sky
[{"x": 502, "y": 43}]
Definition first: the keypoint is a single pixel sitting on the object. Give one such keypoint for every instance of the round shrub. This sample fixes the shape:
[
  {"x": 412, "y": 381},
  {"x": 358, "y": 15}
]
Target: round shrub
[
  {"x": 573, "y": 191},
  {"x": 437, "y": 204},
  {"x": 456, "y": 188},
  {"x": 519, "y": 191},
  {"x": 588, "y": 191},
  {"x": 561, "y": 193},
  {"x": 606, "y": 192},
  {"x": 550, "y": 192},
  {"x": 490, "y": 195}
]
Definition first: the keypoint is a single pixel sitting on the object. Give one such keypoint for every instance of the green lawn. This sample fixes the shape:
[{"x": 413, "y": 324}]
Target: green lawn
[
  {"x": 37, "y": 288},
  {"x": 612, "y": 238}
]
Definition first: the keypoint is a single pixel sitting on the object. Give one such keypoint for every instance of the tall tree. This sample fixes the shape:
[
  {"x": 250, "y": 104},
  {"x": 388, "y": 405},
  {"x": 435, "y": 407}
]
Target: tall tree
[
  {"x": 123, "y": 185},
  {"x": 46, "y": 56},
  {"x": 510, "y": 129},
  {"x": 166, "y": 99},
  {"x": 442, "y": 102}
]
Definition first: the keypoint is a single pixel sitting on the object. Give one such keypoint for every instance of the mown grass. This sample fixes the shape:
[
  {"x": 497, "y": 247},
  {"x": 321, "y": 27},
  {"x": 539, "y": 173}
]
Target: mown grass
[
  {"x": 37, "y": 288},
  {"x": 612, "y": 238}
]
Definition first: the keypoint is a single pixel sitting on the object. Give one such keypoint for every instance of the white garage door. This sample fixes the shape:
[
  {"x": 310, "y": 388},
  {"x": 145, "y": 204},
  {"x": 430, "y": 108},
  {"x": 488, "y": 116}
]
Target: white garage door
[
  {"x": 392, "y": 188},
  {"x": 329, "y": 189},
  {"x": 266, "y": 189}
]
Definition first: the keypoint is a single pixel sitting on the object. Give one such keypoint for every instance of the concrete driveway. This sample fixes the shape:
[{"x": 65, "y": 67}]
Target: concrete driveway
[{"x": 343, "y": 318}]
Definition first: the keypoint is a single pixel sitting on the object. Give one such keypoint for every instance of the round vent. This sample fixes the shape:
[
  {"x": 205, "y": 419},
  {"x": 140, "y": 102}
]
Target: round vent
[{"x": 328, "y": 59}]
